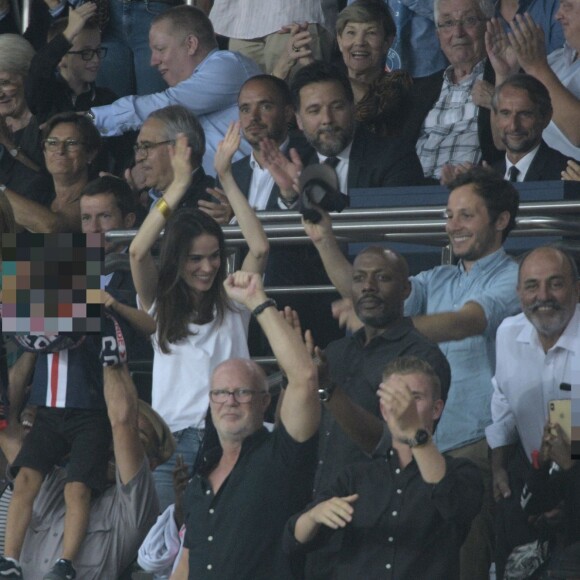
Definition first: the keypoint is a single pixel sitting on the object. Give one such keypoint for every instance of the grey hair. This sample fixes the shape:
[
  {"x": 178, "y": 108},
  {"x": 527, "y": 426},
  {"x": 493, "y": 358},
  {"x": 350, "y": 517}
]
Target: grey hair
[
  {"x": 484, "y": 7},
  {"x": 178, "y": 119},
  {"x": 15, "y": 54}
]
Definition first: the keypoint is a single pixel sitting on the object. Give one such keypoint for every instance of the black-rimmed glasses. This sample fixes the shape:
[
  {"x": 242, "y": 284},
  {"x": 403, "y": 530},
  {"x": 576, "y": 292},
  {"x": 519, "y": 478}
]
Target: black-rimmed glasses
[
  {"x": 89, "y": 53},
  {"x": 240, "y": 395}
]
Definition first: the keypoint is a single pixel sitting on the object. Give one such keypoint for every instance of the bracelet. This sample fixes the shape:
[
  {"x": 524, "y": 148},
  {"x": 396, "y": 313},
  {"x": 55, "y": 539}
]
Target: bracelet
[
  {"x": 163, "y": 208},
  {"x": 266, "y": 304}
]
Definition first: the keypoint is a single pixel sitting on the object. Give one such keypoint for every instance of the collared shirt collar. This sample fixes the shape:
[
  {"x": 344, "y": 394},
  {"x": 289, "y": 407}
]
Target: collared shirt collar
[
  {"x": 570, "y": 54},
  {"x": 392, "y": 334},
  {"x": 483, "y": 263},
  {"x": 156, "y": 194},
  {"x": 254, "y": 163},
  {"x": 343, "y": 155},
  {"x": 568, "y": 340},
  {"x": 524, "y": 163},
  {"x": 477, "y": 71}
]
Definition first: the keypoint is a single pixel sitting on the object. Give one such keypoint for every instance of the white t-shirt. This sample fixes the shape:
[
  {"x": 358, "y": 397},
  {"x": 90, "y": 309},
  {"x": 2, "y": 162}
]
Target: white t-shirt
[{"x": 181, "y": 378}]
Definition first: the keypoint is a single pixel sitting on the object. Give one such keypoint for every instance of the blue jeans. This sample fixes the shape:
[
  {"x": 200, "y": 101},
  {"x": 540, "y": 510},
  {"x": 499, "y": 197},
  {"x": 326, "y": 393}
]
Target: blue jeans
[
  {"x": 126, "y": 69},
  {"x": 188, "y": 442}
]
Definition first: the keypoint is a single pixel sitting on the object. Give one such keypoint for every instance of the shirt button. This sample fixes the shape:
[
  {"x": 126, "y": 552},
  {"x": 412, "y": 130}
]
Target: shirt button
[
  {"x": 388, "y": 566},
  {"x": 399, "y": 491},
  {"x": 397, "y": 471},
  {"x": 328, "y": 433},
  {"x": 209, "y": 566},
  {"x": 208, "y": 492},
  {"x": 391, "y": 539},
  {"x": 211, "y": 510},
  {"x": 395, "y": 514},
  {"x": 210, "y": 538},
  {"x": 320, "y": 462}
]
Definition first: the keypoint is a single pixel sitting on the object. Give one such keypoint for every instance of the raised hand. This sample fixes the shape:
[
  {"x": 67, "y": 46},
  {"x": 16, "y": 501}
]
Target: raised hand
[
  {"x": 343, "y": 311},
  {"x": 227, "y": 148},
  {"x": 499, "y": 50},
  {"x": 400, "y": 410},
  {"x": 297, "y": 51},
  {"x": 284, "y": 171},
  {"x": 246, "y": 288},
  {"x": 320, "y": 231},
  {"x": 482, "y": 93},
  {"x": 77, "y": 18},
  {"x": 180, "y": 155},
  {"x": 527, "y": 40}
]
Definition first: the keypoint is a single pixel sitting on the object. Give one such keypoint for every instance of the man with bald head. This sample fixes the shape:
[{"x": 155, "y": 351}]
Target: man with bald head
[
  {"x": 251, "y": 481},
  {"x": 538, "y": 360}
]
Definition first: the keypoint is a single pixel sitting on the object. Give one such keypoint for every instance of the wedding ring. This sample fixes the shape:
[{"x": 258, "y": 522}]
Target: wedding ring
[{"x": 295, "y": 49}]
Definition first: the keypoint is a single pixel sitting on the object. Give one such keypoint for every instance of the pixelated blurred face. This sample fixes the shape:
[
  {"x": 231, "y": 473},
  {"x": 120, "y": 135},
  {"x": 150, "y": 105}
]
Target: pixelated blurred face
[
  {"x": 519, "y": 121},
  {"x": 12, "y": 102},
  {"x": 548, "y": 292},
  {"x": 171, "y": 53},
  {"x": 67, "y": 157},
  {"x": 363, "y": 47},
  {"x": 470, "y": 231},
  {"x": 568, "y": 16},
  {"x": 77, "y": 68},
  {"x": 100, "y": 214},
  {"x": 462, "y": 43},
  {"x": 233, "y": 420},
  {"x": 262, "y": 113},
  {"x": 155, "y": 161},
  {"x": 201, "y": 263},
  {"x": 326, "y": 117}
]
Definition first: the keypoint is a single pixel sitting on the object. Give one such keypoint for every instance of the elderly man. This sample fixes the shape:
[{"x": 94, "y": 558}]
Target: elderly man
[
  {"x": 460, "y": 307},
  {"x": 538, "y": 354},
  {"x": 524, "y": 47},
  {"x": 448, "y": 120},
  {"x": 202, "y": 78},
  {"x": 522, "y": 109},
  {"x": 388, "y": 512},
  {"x": 153, "y": 168},
  {"x": 252, "y": 481},
  {"x": 126, "y": 509}
]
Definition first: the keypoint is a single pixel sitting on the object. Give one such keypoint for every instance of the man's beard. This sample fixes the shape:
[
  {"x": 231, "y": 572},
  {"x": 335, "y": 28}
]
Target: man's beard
[{"x": 336, "y": 140}]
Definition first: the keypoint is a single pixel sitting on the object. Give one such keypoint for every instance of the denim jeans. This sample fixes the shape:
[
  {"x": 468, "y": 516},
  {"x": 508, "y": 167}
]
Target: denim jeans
[
  {"x": 126, "y": 69},
  {"x": 188, "y": 442}
]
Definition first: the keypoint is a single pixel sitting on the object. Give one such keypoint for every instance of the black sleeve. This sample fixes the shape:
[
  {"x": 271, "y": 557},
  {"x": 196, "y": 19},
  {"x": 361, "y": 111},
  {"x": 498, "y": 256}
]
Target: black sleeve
[
  {"x": 42, "y": 88},
  {"x": 543, "y": 492}
]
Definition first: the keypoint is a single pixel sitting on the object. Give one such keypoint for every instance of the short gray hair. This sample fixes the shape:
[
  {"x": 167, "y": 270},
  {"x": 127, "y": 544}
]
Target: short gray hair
[
  {"x": 15, "y": 54},
  {"x": 484, "y": 7},
  {"x": 178, "y": 119}
]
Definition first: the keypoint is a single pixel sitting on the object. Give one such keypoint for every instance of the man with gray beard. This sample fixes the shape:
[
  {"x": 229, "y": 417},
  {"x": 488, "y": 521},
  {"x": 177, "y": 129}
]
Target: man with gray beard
[
  {"x": 325, "y": 112},
  {"x": 538, "y": 360}
]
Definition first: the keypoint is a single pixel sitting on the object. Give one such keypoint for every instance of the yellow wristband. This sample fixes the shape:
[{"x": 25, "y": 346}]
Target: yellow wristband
[{"x": 163, "y": 208}]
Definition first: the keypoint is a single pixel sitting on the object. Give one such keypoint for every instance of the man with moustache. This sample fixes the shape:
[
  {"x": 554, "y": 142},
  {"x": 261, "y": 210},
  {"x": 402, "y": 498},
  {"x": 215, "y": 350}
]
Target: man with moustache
[
  {"x": 324, "y": 104},
  {"x": 522, "y": 110},
  {"x": 538, "y": 351}
]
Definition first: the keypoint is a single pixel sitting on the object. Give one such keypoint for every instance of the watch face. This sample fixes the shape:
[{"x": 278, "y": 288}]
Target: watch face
[
  {"x": 324, "y": 395},
  {"x": 421, "y": 437}
]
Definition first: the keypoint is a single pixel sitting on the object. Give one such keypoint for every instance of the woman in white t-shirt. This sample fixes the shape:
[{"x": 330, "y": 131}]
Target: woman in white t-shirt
[{"x": 197, "y": 326}]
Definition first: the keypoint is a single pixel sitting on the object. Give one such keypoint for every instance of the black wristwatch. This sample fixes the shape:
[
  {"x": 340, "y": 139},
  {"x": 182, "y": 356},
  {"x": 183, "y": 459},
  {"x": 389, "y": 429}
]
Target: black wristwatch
[
  {"x": 325, "y": 392},
  {"x": 422, "y": 437}
]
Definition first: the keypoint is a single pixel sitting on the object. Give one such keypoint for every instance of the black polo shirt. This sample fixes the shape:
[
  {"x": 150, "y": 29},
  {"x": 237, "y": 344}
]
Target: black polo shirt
[
  {"x": 237, "y": 534},
  {"x": 358, "y": 369},
  {"x": 402, "y": 527}
]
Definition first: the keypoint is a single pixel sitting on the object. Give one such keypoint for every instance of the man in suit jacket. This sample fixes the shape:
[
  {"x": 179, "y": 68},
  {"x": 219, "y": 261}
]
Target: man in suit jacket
[
  {"x": 324, "y": 104},
  {"x": 153, "y": 163},
  {"x": 522, "y": 110}
]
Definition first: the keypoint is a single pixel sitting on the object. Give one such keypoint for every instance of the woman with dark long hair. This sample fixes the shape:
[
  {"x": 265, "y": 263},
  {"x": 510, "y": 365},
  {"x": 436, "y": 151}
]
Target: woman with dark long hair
[{"x": 197, "y": 325}]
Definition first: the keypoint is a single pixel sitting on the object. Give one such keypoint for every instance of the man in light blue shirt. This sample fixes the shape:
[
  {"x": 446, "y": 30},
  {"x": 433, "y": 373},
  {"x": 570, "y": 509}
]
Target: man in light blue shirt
[
  {"x": 460, "y": 307},
  {"x": 202, "y": 78}
]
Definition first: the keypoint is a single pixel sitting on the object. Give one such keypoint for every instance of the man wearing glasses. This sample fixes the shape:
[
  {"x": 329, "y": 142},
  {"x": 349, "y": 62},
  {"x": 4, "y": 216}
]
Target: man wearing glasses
[
  {"x": 249, "y": 483},
  {"x": 450, "y": 116}
]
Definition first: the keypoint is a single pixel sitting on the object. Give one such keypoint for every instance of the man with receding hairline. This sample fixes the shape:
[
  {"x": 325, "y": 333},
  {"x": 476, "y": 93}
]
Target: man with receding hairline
[
  {"x": 538, "y": 353},
  {"x": 202, "y": 78}
]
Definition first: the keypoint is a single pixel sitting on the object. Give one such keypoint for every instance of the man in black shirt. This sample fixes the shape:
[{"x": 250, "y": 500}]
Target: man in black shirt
[
  {"x": 252, "y": 481},
  {"x": 405, "y": 514}
]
